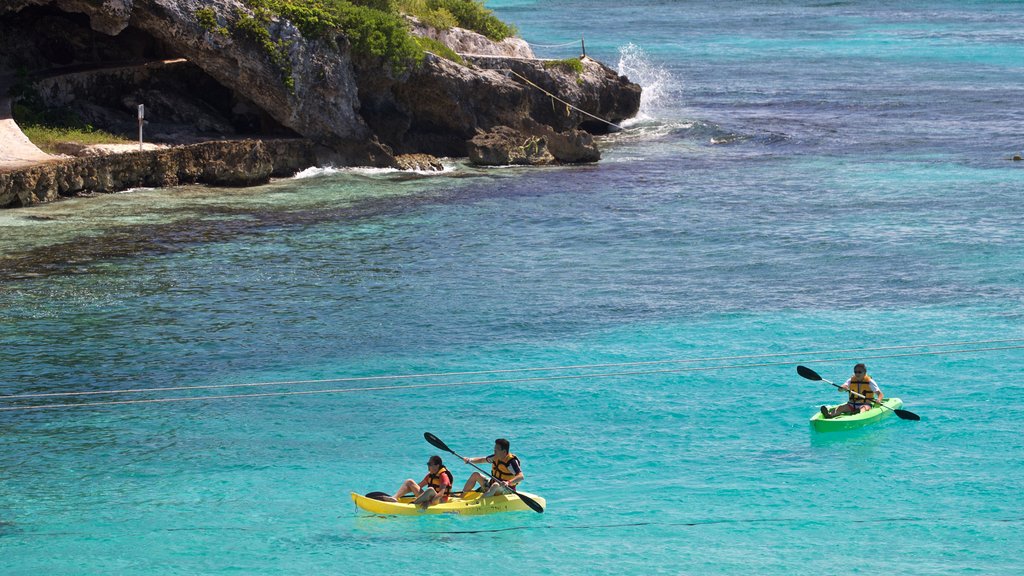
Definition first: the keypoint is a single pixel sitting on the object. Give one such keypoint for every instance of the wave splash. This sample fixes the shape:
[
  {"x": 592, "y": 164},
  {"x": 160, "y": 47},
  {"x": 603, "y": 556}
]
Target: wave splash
[{"x": 660, "y": 87}]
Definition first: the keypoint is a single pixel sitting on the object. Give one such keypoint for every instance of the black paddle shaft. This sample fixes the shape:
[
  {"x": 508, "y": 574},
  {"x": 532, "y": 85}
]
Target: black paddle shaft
[{"x": 438, "y": 443}]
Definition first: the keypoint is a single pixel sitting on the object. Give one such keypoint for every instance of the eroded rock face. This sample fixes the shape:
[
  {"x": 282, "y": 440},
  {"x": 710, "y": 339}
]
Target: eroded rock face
[
  {"x": 322, "y": 105},
  {"x": 436, "y": 108},
  {"x": 595, "y": 97},
  {"x": 239, "y": 163},
  {"x": 419, "y": 162},
  {"x": 538, "y": 145}
]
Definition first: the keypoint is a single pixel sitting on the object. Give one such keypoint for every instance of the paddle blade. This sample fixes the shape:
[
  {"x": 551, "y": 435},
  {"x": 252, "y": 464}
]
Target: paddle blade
[
  {"x": 436, "y": 442},
  {"x": 807, "y": 373},
  {"x": 382, "y": 496},
  {"x": 907, "y": 415},
  {"x": 533, "y": 504}
]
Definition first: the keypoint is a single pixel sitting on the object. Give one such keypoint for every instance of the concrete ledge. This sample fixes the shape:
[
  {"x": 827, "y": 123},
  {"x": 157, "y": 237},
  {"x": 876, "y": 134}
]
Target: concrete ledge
[{"x": 221, "y": 163}]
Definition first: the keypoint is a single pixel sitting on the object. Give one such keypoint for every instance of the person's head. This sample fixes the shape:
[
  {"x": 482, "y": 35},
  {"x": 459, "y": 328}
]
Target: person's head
[
  {"x": 434, "y": 463},
  {"x": 860, "y": 370},
  {"x": 500, "y": 447}
]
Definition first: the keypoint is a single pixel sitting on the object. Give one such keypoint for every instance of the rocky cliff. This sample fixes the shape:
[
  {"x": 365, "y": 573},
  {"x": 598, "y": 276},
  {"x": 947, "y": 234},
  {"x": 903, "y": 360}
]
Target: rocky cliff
[{"x": 356, "y": 109}]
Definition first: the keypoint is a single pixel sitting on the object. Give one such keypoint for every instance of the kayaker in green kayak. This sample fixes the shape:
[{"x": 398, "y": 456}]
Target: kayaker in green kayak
[
  {"x": 862, "y": 384},
  {"x": 433, "y": 489},
  {"x": 505, "y": 470}
]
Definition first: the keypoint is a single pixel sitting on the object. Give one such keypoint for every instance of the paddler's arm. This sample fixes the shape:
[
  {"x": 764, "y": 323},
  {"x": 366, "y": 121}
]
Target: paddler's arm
[
  {"x": 515, "y": 480},
  {"x": 475, "y": 460}
]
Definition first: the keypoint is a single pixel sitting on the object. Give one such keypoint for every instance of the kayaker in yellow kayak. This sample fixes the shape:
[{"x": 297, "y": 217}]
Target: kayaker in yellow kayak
[
  {"x": 433, "y": 489},
  {"x": 504, "y": 468},
  {"x": 862, "y": 384}
]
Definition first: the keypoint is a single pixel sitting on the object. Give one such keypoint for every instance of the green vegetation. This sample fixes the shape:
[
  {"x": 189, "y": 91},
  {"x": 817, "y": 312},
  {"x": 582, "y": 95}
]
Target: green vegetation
[
  {"x": 373, "y": 27},
  {"x": 569, "y": 65},
  {"x": 433, "y": 46},
  {"x": 46, "y": 138},
  {"x": 207, "y": 18},
  {"x": 439, "y": 17},
  {"x": 47, "y": 128},
  {"x": 471, "y": 15},
  {"x": 254, "y": 29},
  {"x": 468, "y": 14}
]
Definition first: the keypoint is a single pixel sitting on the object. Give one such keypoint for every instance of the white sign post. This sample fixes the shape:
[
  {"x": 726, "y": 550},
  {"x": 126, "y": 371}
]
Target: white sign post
[{"x": 142, "y": 114}]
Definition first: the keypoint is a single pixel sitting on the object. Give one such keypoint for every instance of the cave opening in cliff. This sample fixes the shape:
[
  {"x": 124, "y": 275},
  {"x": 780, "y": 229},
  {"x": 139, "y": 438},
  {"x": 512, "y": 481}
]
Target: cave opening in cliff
[{"x": 59, "y": 64}]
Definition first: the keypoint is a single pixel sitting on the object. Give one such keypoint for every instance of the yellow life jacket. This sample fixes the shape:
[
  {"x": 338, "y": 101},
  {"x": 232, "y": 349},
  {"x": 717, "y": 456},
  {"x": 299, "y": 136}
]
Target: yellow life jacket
[
  {"x": 501, "y": 469},
  {"x": 861, "y": 385},
  {"x": 434, "y": 481}
]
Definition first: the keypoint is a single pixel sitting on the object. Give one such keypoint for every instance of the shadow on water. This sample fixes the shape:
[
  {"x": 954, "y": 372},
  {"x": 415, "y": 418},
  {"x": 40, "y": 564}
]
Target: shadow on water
[
  {"x": 219, "y": 223},
  {"x": 7, "y": 528},
  {"x": 865, "y": 441}
]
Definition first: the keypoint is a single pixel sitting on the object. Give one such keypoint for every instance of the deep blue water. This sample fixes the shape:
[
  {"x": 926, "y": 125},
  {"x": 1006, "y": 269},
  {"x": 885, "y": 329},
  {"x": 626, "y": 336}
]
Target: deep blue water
[{"x": 804, "y": 177}]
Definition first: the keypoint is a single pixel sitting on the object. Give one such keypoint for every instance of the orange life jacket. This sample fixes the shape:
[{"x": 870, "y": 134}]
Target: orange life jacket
[
  {"x": 861, "y": 385},
  {"x": 434, "y": 481},
  {"x": 501, "y": 469}
]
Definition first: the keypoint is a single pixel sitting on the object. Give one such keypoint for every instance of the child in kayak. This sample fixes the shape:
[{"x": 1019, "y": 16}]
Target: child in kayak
[
  {"x": 504, "y": 468},
  {"x": 862, "y": 384},
  {"x": 433, "y": 489}
]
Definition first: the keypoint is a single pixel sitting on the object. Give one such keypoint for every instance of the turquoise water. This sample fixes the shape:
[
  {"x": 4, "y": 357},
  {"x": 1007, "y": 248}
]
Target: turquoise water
[{"x": 803, "y": 178}]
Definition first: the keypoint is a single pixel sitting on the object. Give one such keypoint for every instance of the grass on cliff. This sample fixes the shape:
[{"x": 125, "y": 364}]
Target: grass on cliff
[
  {"x": 47, "y": 138},
  {"x": 570, "y": 65},
  {"x": 373, "y": 27},
  {"x": 49, "y": 128}
]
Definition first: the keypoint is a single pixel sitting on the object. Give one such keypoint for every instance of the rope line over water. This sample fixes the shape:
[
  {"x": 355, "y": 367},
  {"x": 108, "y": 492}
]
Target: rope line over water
[
  {"x": 580, "y": 110},
  {"x": 913, "y": 520},
  {"x": 514, "y": 370},
  {"x": 801, "y": 358},
  {"x": 562, "y": 45}
]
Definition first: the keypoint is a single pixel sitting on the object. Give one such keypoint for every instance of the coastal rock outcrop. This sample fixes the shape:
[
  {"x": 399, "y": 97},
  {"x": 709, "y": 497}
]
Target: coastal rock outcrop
[
  {"x": 539, "y": 145},
  {"x": 234, "y": 163},
  {"x": 354, "y": 108}
]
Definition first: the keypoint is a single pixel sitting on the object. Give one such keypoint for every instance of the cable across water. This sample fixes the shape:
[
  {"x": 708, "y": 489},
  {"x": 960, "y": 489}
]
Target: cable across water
[
  {"x": 800, "y": 357},
  {"x": 505, "y": 370}
]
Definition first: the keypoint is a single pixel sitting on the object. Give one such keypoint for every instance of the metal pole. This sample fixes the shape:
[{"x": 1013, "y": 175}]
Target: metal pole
[
  {"x": 142, "y": 114},
  {"x": 583, "y": 45}
]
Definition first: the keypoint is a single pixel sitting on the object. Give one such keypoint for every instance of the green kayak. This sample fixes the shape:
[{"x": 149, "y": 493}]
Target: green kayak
[{"x": 853, "y": 421}]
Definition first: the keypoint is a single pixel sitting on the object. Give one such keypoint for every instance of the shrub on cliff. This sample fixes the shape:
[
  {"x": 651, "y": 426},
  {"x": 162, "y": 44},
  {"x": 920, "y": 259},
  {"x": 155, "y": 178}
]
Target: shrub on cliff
[
  {"x": 373, "y": 27},
  {"x": 473, "y": 16},
  {"x": 468, "y": 14}
]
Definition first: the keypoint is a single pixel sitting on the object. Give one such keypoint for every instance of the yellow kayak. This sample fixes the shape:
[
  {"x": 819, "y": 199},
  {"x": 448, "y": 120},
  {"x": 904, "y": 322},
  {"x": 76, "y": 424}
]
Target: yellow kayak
[{"x": 469, "y": 503}]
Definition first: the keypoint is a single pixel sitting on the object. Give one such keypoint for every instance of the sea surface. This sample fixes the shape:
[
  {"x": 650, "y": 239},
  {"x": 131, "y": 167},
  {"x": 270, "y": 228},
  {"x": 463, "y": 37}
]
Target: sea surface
[{"x": 813, "y": 183}]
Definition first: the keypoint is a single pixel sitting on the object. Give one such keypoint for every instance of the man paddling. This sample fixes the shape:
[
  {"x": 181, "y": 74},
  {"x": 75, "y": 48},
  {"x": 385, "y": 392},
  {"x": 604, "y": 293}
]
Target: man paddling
[
  {"x": 862, "y": 388},
  {"x": 505, "y": 471}
]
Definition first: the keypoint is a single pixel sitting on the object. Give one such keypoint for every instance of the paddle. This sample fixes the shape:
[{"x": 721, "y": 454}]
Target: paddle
[
  {"x": 812, "y": 375},
  {"x": 437, "y": 443},
  {"x": 385, "y": 497}
]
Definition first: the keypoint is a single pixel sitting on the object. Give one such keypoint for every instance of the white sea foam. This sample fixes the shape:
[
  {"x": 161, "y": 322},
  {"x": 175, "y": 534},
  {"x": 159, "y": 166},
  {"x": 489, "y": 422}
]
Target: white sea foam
[
  {"x": 448, "y": 164},
  {"x": 660, "y": 87}
]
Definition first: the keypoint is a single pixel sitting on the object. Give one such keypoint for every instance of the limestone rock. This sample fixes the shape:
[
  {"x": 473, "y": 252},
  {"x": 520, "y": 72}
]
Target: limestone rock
[
  {"x": 465, "y": 41},
  {"x": 572, "y": 146},
  {"x": 419, "y": 162},
  {"x": 504, "y": 146},
  {"x": 235, "y": 163}
]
